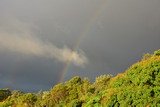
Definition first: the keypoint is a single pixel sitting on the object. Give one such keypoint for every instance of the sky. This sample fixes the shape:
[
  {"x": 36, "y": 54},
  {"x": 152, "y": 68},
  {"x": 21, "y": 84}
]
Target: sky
[{"x": 44, "y": 42}]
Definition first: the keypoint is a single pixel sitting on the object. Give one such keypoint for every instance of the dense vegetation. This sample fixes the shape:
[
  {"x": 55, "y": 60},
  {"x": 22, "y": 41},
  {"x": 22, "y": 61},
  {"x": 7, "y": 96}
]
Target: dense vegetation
[{"x": 138, "y": 86}]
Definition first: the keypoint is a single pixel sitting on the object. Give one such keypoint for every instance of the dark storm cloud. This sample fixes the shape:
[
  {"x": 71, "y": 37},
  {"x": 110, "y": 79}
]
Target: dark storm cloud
[
  {"x": 124, "y": 31},
  {"x": 20, "y": 72},
  {"x": 118, "y": 36}
]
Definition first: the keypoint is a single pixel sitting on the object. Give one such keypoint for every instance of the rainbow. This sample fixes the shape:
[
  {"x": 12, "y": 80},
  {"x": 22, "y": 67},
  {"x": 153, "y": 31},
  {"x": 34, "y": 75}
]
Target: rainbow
[{"x": 82, "y": 36}]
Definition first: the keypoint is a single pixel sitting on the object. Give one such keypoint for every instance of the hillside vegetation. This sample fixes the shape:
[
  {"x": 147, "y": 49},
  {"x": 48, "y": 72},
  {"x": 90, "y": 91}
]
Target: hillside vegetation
[{"x": 138, "y": 86}]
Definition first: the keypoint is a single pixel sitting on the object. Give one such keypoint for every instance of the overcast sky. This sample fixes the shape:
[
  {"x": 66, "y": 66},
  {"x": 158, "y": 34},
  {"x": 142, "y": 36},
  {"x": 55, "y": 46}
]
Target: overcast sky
[{"x": 39, "y": 38}]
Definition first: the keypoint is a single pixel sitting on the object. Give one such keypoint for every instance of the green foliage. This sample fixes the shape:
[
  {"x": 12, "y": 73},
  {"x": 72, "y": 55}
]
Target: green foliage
[
  {"x": 101, "y": 82},
  {"x": 146, "y": 56},
  {"x": 4, "y": 93},
  {"x": 138, "y": 86},
  {"x": 157, "y": 52}
]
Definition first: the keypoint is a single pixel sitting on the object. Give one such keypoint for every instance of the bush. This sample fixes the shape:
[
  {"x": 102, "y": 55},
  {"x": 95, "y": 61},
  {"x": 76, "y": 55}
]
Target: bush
[{"x": 4, "y": 93}]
